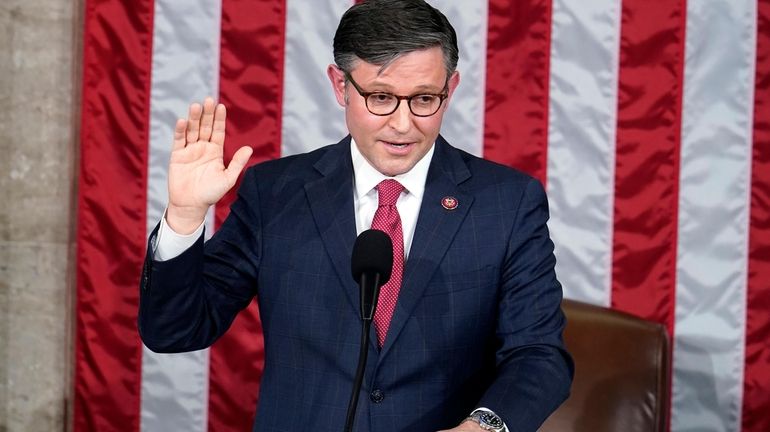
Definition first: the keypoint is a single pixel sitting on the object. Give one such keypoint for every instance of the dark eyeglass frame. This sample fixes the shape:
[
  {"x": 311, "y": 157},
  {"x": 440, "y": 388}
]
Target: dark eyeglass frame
[{"x": 442, "y": 96}]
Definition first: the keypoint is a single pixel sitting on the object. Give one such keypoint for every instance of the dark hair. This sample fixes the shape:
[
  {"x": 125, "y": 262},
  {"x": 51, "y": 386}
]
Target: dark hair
[{"x": 379, "y": 31}]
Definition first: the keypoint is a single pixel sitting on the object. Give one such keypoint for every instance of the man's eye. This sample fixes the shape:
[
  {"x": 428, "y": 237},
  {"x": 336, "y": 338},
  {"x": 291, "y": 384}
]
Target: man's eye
[
  {"x": 381, "y": 98},
  {"x": 423, "y": 99}
]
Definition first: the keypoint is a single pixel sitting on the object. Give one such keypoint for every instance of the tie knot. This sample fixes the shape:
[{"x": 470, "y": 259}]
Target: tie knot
[{"x": 388, "y": 192}]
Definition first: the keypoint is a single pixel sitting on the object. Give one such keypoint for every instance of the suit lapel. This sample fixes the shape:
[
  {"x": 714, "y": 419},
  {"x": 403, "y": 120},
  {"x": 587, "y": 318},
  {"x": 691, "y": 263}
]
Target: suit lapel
[
  {"x": 436, "y": 227},
  {"x": 331, "y": 203}
]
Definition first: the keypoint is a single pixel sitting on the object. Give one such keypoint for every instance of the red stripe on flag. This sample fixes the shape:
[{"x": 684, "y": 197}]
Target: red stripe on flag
[
  {"x": 251, "y": 85},
  {"x": 756, "y": 398},
  {"x": 647, "y": 158},
  {"x": 516, "y": 102},
  {"x": 112, "y": 231}
]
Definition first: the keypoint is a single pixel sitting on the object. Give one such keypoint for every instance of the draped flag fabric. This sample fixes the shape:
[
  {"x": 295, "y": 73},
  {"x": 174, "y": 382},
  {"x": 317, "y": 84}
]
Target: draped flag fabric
[{"x": 647, "y": 120}]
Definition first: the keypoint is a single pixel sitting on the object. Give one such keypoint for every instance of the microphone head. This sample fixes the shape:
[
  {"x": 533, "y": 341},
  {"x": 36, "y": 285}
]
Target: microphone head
[{"x": 372, "y": 254}]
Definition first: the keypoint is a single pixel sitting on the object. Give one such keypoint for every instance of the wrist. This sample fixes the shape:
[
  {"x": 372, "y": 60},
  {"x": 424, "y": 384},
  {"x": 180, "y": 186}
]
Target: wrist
[
  {"x": 487, "y": 420},
  {"x": 470, "y": 426},
  {"x": 184, "y": 220}
]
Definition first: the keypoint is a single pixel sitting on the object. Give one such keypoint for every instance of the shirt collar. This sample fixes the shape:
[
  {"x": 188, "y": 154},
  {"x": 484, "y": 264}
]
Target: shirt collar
[{"x": 366, "y": 177}]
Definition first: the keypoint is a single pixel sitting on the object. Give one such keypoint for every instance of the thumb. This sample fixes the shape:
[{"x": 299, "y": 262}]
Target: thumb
[{"x": 239, "y": 161}]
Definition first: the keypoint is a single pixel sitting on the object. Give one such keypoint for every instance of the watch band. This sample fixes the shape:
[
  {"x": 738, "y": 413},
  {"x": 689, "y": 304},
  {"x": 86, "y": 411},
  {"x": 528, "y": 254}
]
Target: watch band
[{"x": 488, "y": 420}]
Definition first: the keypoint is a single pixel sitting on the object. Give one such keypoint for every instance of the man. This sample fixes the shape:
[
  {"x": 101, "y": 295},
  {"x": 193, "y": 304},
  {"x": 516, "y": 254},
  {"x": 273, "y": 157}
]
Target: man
[{"x": 467, "y": 332}]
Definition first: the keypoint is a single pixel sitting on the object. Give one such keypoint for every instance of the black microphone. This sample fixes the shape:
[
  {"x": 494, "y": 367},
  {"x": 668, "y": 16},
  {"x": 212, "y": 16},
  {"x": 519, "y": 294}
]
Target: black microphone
[{"x": 371, "y": 264}]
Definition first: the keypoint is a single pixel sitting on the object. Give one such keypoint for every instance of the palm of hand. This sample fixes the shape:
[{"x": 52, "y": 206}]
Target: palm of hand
[{"x": 197, "y": 176}]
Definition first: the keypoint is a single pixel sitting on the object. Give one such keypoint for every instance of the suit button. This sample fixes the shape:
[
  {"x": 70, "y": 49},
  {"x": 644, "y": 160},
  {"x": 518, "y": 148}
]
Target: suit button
[{"x": 377, "y": 396}]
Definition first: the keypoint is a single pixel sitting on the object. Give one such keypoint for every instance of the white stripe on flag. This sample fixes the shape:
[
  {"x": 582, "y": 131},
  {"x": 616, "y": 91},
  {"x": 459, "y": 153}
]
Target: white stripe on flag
[
  {"x": 311, "y": 116},
  {"x": 463, "y": 125},
  {"x": 713, "y": 216},
  {"x": 581, "y": 143},
  {"x": 185, "y": 68}
]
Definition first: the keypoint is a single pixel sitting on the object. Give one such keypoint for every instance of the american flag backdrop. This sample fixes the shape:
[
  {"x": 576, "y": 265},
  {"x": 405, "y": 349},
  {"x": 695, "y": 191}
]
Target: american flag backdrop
[{"x": 647, "y": 120}]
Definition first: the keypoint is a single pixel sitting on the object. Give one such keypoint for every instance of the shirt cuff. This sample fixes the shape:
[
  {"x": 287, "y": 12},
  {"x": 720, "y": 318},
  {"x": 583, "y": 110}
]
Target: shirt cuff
[
  {"x": 170, "y": 244},
  {"x": 505, "y": 428}
]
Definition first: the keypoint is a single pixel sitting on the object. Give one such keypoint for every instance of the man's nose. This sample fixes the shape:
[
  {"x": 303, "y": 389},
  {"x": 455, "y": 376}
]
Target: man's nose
[{"x": 401, "y": 119}]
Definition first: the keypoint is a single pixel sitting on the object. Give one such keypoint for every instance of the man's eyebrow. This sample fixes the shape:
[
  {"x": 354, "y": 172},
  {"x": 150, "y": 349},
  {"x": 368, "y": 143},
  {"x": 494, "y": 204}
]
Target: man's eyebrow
[{"x": 389, "y": 88}]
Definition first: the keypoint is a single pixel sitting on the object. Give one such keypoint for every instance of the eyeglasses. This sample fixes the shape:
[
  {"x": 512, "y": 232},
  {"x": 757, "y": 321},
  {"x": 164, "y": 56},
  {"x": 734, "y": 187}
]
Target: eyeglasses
[{"x": 382, "y": 104}]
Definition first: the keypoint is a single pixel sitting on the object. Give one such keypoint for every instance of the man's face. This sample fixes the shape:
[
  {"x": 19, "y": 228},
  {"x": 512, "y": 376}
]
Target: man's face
[{"x": 394, "y": 143}]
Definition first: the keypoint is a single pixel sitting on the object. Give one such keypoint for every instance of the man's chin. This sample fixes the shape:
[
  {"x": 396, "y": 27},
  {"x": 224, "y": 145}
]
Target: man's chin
[{"x": 392, "y": 170}]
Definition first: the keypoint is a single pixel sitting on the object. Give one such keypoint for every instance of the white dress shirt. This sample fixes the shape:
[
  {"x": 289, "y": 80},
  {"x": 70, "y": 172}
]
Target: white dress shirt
[{"x": 365, "y": 199}]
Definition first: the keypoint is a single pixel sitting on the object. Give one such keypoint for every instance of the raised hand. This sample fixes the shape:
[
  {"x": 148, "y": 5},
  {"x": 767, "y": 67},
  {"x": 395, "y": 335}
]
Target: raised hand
[{"x": 197, "y": 176}]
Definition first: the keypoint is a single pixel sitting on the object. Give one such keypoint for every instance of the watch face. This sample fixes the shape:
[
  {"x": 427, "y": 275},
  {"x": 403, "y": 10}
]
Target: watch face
[{"x": 491, "y": 419}]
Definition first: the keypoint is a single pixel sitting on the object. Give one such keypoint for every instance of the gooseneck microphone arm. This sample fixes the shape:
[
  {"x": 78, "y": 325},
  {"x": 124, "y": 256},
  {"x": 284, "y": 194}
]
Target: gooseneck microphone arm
[
  {"x": 366, "y": 324},
  {"x": 372, "y": 263}
]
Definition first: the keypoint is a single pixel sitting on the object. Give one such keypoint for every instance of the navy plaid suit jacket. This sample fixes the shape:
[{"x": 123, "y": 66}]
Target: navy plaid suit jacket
[{"x": 478, "y": 321}]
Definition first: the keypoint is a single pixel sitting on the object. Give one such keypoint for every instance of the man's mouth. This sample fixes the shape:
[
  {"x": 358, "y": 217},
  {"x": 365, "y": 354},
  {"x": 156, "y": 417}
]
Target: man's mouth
[{"x": 398, "y": 145}]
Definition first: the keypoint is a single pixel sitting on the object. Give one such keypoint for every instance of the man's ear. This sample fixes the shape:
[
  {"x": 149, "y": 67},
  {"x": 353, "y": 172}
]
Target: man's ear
[
  {"x": 337, "y": 78},
  {"x": 452, "y": 84}
]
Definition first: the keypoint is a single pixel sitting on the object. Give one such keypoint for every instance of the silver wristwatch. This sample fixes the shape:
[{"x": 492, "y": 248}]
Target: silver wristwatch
[{"x": 488, "y": 420}]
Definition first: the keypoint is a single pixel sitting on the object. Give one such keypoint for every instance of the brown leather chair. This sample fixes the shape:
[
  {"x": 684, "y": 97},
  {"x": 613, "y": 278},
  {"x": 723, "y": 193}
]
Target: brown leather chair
[{"x": 622, "y": 370}]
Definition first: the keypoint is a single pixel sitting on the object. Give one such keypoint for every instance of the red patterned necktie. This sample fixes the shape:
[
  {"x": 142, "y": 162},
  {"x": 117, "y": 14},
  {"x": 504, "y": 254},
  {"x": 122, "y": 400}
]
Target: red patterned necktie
[{"x": 387, "y": 219}]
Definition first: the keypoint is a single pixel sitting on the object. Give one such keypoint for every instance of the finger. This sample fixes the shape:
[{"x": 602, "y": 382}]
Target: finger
[
  {"x": 207, "y": 121},
  {"x": 239, "y": 161},
  {"x": 179, "y": 128},
  {"x": 194, "y": 122},
  {"x": 218, "y": 135}
]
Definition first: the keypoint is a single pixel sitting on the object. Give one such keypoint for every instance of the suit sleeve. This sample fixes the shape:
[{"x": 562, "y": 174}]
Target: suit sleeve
[
  {"x": 189, "y": 301},
  {"x": 534, "y": 371}
]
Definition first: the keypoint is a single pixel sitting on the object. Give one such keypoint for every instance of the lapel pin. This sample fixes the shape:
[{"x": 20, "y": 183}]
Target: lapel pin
[{"x": 449, "y": 203}]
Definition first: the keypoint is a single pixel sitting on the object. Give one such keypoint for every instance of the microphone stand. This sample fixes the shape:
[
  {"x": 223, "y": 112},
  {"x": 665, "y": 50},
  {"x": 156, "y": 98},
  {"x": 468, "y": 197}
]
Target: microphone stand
[{"x": 368, "y": 306}]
